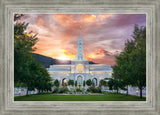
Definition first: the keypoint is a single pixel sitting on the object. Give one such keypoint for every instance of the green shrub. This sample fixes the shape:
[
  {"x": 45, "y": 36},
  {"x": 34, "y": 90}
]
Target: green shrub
[
  {"x": 63, "y": 90},
  {"x": 94, "y": 90},
  {"x": 78, "y": 90},
  {"x": 56, "y": 90}
]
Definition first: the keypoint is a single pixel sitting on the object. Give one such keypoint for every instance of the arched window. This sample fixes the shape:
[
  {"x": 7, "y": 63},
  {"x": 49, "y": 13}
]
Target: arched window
[
  {"x": 64, "y": 82},
  {"x": 80, "y": 68},
  {"x": 94, "y": 82},
  {"x": 79, "y": 81}
]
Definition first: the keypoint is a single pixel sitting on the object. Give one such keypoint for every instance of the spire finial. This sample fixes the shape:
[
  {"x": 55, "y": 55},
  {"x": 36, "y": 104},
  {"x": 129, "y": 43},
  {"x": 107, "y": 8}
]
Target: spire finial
[{"x": 80, "y": 32}]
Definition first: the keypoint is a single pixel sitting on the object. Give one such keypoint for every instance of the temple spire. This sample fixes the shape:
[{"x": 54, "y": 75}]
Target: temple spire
[
  {"x": 80, "y": 31},
  {"x": 80, "y": 54}
]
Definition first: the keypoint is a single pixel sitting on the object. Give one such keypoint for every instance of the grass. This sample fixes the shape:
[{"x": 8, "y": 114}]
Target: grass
[{"x": 105, "y": 97}]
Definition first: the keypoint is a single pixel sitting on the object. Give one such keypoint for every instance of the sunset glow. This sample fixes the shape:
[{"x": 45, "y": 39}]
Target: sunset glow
[
  {"x": 63, "y": 58},
  {"x": 103, "y": 35}
]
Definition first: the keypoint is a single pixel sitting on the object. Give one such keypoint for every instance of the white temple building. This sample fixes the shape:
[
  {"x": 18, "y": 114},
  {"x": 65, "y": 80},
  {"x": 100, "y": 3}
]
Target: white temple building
[{"x": 80, "y": 70}]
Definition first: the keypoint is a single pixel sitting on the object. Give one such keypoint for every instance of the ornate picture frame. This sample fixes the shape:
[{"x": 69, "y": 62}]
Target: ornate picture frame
[{"x": 149, "y": 107}]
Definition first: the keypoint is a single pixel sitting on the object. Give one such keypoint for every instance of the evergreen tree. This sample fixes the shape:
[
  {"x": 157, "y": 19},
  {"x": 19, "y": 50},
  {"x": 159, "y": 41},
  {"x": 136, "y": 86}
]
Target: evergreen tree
[
  {"x": 71, "y": 82},
  {"x": 103, "y": 83},
  {"x": 89, "y": 82},
  {"x": 56, "y": 83}
]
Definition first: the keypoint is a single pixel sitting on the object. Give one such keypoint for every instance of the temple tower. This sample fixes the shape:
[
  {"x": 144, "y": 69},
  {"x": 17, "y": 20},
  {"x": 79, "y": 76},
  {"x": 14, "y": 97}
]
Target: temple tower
[{"x": 80, "y": 55}]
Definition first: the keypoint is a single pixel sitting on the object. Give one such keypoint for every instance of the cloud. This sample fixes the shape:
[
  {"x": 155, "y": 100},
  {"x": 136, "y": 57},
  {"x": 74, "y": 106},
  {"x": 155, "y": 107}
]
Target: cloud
[
  {"x": 104, "y": 16},
  {"x": 103, "y": 35},
  {"x": 89, "y": 18}
]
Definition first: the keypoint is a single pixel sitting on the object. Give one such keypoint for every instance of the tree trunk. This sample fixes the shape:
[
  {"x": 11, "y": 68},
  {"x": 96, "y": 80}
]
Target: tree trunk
[
  {"x": 127, "y": 91},
  {"x": 27, "y": 92},
  {"x": 141, "y": 93}
]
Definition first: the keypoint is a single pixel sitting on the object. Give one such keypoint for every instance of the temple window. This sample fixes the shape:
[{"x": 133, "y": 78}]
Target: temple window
[
  {"x": 64, "y": 82},
  {"x": 80, "y": 68}
]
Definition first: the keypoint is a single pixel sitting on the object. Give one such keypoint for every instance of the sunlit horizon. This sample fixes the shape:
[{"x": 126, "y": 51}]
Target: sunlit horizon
[{"x": 103, "y": 35}]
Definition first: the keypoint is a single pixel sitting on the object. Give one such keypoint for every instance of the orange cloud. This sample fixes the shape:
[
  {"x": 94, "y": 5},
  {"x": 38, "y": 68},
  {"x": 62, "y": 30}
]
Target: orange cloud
[
  {"x": 58, "y": 34},
  {"x": 89, "y": 18},
  {"x": 103, "y": 16},
  {"x": 88, "y": 58},
  {"x": 61, "y": 17},
  {"x": 99, "y": 52},
  {"x": 65, "y": 19},
  {"x": 39, "y": 22},
  {"x": 65, "y": 54}
]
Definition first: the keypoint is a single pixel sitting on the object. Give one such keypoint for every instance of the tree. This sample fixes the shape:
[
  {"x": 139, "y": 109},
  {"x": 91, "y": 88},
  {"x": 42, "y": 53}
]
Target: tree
[
  {"x": 42, "y": 78},
  {"x": 110, "y": 84},
  {"x": 71, "y": 82},
  {"x": 103, "y": 83},
  {"x": 138, "y": 58},
  {"x": 131, "y": 63},
  {"x": 56, "y": 83},
  {"x": 121, "y": 71},
  {"x": 26, "y": 69},
  {"x": 116, "y": 84},
  {"x": 89, "y": 82},
  {"x": 23, "y": 43},
  {"x": 37, "y": 77}
]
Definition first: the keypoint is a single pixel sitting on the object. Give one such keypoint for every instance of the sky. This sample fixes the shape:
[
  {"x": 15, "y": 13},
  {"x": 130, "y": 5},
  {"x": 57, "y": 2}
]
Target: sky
[{"x": 103, "y": 35}]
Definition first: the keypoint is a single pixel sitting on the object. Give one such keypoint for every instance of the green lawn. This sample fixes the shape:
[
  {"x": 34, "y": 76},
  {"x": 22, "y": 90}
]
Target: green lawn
[{"x": 106, "y": 97}]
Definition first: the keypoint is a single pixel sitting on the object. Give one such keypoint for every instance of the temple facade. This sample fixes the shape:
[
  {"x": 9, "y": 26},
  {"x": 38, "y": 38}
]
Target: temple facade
[{"x": 80, "y": 70}]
